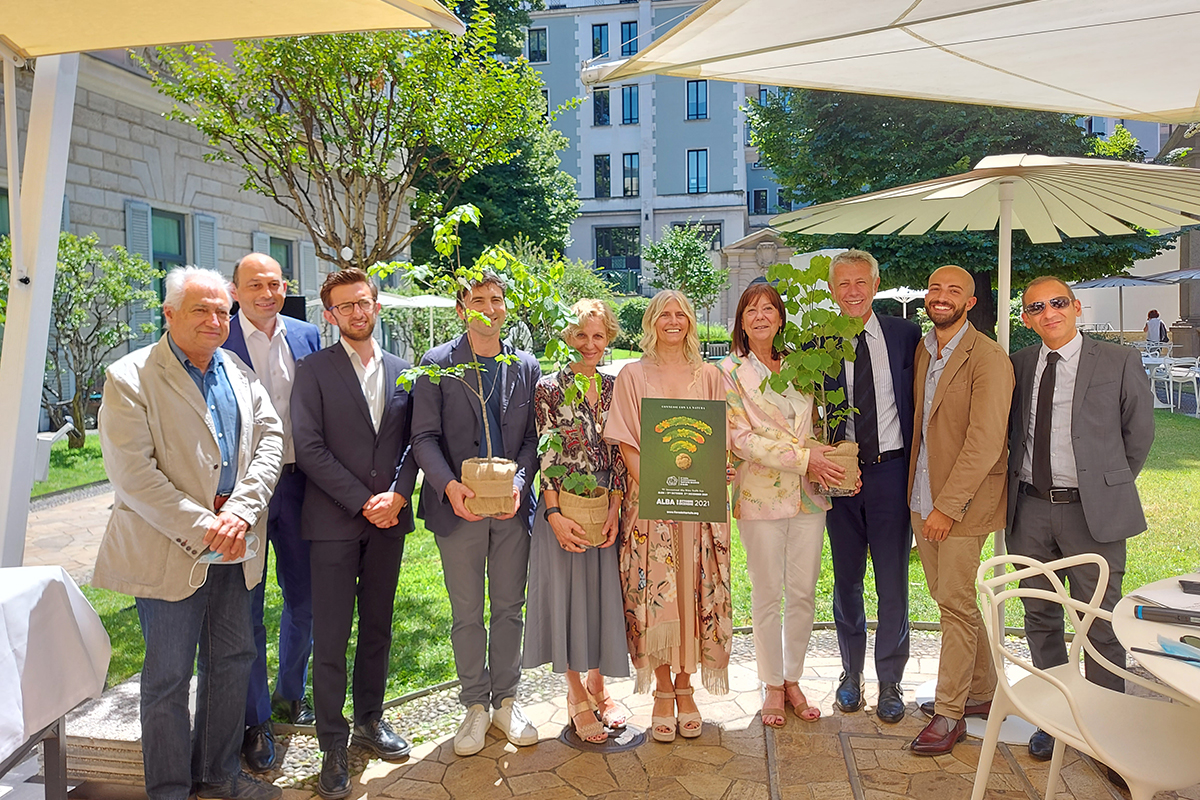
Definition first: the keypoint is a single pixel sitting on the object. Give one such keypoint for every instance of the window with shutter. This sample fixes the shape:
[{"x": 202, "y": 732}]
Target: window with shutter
[
  {"x": 138, "y": 240},
  {"x": 205, "y": 234},
  {"x": 310, "y": 281}
]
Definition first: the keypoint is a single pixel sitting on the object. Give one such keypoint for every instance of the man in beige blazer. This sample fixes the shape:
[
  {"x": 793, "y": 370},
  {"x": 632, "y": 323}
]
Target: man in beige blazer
[
  {"x": 193, "y": 448},
  {"x": 962, "y": 386}
]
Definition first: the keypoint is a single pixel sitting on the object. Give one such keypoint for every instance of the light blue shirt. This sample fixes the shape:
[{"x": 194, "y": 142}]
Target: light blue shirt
[
  {"x": 218, "y": 395},
  {"x": 921, "y": 500}
]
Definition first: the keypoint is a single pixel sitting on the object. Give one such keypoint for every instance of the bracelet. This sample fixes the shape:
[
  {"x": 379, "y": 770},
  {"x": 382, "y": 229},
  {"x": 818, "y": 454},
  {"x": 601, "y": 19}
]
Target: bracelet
[{"x": 551, "y": 510}]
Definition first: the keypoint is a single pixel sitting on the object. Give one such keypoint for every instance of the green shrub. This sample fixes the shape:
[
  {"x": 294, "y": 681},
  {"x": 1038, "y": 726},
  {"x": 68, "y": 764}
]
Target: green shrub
[
  {"x": 713, "y": 333},
  {"x": 630, "y": 315}
]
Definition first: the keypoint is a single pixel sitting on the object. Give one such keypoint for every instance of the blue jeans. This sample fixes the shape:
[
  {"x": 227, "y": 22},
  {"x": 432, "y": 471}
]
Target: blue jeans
[
  {"x": 295, "y": 621},
  {"x": 215, "y": 621}
]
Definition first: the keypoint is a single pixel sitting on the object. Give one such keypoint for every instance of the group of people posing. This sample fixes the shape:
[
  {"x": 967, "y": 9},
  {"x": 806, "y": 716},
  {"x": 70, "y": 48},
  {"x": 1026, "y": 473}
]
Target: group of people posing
[{"x": 235, "y": 432}]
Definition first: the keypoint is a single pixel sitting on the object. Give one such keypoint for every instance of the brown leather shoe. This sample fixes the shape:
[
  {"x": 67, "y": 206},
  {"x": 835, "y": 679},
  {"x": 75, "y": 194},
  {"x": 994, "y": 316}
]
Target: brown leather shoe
[
  {"x": 971, "y": 709},
  {"x": 939, "y": 736}
]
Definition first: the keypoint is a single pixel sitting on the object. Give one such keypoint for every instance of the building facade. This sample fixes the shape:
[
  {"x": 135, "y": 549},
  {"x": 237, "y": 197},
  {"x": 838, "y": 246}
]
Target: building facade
[{"x": 648, "y": 153}]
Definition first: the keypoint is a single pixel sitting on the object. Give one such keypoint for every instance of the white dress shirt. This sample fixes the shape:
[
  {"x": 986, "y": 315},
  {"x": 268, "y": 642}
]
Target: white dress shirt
[
  {"x": 888, "y": 420},
  {"x": 921, "y": 500},
  {"x": 370, "y": 378},
  {"x": 1063, "y": 472},
  {"x": 273, "y": 363}
]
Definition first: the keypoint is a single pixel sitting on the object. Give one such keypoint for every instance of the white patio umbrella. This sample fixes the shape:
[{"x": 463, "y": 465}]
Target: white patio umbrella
[
  {"x": 903, "y": 294},
  {"x": 1118, "y": 282},
  {"x": 56, "y": 31},
  {"x": 1044, "y": 196},
  {"x": 430, "y": 301},
  {"x": 1176, "y": 275},
  {"x": 1037, "y": 54}
]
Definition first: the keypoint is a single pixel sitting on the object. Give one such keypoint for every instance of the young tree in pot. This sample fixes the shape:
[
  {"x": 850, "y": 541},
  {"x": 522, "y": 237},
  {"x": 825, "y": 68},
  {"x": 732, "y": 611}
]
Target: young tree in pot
[
  {"x": 817, "y": 342},
  {"x": 489, "y": 477}
]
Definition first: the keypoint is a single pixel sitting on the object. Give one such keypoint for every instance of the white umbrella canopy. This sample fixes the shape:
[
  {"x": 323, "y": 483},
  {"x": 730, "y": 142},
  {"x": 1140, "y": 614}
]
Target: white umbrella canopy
[
  {"x": 56, "y": 31},
  {"x": 1036, "y": 54},
  {"x": 1118, "y": 282},
  {"x": 903, "y": 294},
  {"x": 51, "y": 27},
  {"x": 1046, "y": 197},
  {"x": 1176, "y": 275}
]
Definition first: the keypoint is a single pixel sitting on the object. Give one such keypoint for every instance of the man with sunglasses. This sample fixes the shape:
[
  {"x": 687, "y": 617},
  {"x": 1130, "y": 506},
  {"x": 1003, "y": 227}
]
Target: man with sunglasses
[
  {"x": 1080, "y": 429},
  {"x": 350, "y": 424}
]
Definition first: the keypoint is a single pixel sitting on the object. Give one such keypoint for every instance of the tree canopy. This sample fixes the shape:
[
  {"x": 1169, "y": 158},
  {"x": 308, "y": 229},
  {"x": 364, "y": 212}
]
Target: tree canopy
[
  {"x": 512, "y": 18},
  {"x": 351, "y": 132},
  {"x": 681, "y": 261},
  {"x": 826, "y": 146}
]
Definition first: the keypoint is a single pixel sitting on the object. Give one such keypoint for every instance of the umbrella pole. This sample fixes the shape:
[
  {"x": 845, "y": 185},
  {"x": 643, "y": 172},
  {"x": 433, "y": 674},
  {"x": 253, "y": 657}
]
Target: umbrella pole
[
  {"x": 1004, "y": 275},
  {"x": 1121, "y": 311},
  {"x": 431, "y": 327},
  {"x": 13, "y": 162}
]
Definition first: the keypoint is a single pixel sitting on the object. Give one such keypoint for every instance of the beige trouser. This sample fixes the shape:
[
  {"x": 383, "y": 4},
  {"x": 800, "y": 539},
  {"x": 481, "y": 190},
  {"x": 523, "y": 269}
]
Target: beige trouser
[{"x": 965, "y": 668}]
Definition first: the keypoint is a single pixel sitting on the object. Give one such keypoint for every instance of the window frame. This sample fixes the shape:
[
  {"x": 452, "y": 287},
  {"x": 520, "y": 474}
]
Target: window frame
[
  {"x": 629, "y": 103},
  {"x": 755, "y": 206},
  {"x": 697, "y": 105},
  {"x": 606, "y": 172},
  {"x": 629, "y": 44},
  {"x": 600, "y": 49},
  {"x": 631, "y": 166},
  {"x": 597, "y": 105},
  {"x": 545, "y": 52},
  {"x": 699, "y": 181}
]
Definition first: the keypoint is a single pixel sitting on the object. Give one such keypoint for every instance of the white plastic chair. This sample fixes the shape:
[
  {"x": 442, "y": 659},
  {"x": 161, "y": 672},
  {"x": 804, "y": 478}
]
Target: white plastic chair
[
  {"x": 1183, "y": 372},
  {"x": 1150, "y": 743},
  {"x": 1161, "y": 373}
]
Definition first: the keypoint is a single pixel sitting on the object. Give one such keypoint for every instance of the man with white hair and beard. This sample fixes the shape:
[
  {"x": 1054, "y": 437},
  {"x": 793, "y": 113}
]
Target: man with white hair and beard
[
  {"x": 962, "y": 386},
  {"x": 193, "y": 449}
]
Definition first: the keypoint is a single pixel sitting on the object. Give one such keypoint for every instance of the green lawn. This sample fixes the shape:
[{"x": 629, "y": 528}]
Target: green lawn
[
  {"x": 70, "y": 468},
  {"x": 421, "y": 654},
  {"x": 617, "y": 355}
]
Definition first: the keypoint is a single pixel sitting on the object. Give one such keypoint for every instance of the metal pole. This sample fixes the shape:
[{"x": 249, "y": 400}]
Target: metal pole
[
  {"x": 11, "y": 62},
  {"x": 26, "y": 331},
  {"x": 1004, "y": 274},
  {"x": 1121, "y": 311}
]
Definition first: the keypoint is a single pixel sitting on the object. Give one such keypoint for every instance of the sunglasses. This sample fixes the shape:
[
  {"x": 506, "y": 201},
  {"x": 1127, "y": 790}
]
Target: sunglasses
[{"x": 1038, "y": 306}]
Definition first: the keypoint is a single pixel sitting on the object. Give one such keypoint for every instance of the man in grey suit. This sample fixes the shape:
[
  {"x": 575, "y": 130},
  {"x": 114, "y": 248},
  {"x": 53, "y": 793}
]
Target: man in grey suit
[
  {"x": 193, "y": 449},
  {"x": 350, "y": 424},
  {"x": 447, "y": 430},
  {"x": 1080, "y": 430}
]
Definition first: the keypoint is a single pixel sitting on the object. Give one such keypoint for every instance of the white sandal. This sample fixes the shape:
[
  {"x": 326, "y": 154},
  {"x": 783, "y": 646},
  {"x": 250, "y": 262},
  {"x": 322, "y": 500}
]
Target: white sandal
[
  {"x": 657, "y": 722},
  {"x": 593, "y": 733},
  {"x": 687, "y": 717}
]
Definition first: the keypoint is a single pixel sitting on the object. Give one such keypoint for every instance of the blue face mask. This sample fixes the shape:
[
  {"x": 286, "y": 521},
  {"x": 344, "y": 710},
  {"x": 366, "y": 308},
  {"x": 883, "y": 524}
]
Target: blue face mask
[{"x": 214, "y": 557}]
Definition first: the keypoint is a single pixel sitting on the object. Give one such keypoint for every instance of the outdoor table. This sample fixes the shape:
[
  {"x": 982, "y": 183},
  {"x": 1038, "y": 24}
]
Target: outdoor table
[
  {"x": 1134, "y": 632},
  {"x": 54, "y": 654}
]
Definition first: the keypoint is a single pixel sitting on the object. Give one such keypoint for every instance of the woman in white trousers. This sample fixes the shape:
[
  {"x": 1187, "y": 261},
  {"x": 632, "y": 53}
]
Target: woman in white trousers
[{"x": 781, "y": 519}]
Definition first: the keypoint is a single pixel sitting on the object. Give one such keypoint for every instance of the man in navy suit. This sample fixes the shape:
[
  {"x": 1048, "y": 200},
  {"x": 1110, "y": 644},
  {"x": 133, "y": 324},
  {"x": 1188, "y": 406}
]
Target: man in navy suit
[
  {"x": 272, "y": 344},
  {"x": 351, "y": 424},
  {"x": 478, "y": 552},
  {"x": 879, "y": 384}
]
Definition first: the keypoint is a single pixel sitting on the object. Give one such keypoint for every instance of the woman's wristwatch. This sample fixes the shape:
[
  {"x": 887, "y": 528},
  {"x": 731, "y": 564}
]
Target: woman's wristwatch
[{"x": 551, "y": 510}]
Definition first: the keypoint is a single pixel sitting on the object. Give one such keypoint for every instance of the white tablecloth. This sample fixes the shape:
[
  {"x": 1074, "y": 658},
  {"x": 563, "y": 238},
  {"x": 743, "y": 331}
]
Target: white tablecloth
[{"x": 54, "y": 651}]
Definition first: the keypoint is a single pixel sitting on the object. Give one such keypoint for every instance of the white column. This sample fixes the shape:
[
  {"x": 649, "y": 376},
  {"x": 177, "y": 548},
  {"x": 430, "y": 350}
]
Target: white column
[{"x": 26, "y": 330}]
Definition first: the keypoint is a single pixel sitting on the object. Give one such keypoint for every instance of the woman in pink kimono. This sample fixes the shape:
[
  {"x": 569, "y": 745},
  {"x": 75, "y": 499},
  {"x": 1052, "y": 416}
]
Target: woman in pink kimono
[
  {"x": 675, "y": 574},
  {"x": 781, "y": 520}
]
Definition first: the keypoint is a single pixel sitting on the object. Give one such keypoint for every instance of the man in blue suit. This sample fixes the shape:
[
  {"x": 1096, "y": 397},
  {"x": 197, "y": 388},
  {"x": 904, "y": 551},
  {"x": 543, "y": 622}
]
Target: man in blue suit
[
  {"x": 879, "y": 385},
  {"x": 272, "y": 344}
]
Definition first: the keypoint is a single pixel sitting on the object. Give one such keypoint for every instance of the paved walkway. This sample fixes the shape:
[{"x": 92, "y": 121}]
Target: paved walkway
[{"x": 839, "y": 757}]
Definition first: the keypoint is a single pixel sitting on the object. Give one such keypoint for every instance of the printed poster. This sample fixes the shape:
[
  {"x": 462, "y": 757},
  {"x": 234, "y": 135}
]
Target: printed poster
[{"x": 683, "y": 460}]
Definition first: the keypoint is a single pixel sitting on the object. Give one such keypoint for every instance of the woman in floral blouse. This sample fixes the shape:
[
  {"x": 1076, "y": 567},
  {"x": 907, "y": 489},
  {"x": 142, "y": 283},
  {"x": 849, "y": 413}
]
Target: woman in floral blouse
[
  {"x": 574, "y": 616},
  {"x": 781, "y": 520}
]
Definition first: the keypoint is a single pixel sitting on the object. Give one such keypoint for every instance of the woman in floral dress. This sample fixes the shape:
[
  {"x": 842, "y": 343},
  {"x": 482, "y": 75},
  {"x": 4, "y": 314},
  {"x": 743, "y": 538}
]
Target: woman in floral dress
[{"x": 574, "y": 618}]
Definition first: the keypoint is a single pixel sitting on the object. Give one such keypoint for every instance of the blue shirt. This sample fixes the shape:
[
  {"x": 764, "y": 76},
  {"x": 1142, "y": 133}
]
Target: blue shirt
[
  {"x": 218, "y": 395},
  {"x": 489, "y": 377}
]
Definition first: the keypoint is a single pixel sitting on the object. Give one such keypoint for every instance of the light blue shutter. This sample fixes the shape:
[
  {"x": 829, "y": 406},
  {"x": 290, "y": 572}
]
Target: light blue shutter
[
  {"x": 260, "y": 242},
  {"x": 310, "y": 283},
  {"x": 205, "y": 234},
  {"x": 138, "y": 240}
]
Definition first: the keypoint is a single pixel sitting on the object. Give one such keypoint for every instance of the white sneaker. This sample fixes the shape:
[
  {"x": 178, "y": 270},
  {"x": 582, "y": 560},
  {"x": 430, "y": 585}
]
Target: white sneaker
[
  {"x": 472, "y": 733},
  {"x": 516, "y": 726}
]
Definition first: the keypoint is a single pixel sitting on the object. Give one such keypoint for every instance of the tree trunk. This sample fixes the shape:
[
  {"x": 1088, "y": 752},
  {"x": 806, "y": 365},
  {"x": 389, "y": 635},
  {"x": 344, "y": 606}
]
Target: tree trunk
[
  {"x": 983, "y": 315},
  {"x": 76, "y": 437}
]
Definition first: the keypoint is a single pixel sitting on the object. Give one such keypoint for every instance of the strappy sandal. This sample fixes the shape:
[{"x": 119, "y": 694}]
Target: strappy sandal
[
  {"x": 657, "y": 722},
  {"x": 778, "y": 710},
  {"x": 686, "y": 718},
  {"x": 594, "y": 732},
  {"x": 617, "y": 713},
  {"x": 803, "y": 710}
]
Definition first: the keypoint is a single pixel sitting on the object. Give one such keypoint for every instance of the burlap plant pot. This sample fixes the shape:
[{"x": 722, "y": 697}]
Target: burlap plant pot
[
  {"x": 588, "y": 512},
  {"x": 845, "y": 455},
  {"x": 491, "y": 479}
]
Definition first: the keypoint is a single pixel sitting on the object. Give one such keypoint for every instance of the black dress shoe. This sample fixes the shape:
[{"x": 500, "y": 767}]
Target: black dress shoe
[
  {"x": 334, "y": 782},
  {"x": 890, "y": 707},
  {"x": 1041, "y": 745},
  {"x": 939, "y": 736},
  {"x": 297, "y": 712},
  {"x": 980, "y": 710},
  {"x": 377, "y": 735},
  {"x": 849, "y": 695},
  {"x": 258, "y": 747}
]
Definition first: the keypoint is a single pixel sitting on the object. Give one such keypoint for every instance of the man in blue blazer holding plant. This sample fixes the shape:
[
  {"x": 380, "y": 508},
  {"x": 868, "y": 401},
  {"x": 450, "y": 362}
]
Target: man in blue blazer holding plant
[{"x": 272, "y": 344}]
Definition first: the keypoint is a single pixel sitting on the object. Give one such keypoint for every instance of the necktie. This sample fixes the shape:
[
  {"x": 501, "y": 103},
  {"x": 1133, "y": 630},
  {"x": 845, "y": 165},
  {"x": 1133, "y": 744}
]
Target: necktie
[
  {"x": 866, "y": 421},
  {"x": 1041, "y": 426}
]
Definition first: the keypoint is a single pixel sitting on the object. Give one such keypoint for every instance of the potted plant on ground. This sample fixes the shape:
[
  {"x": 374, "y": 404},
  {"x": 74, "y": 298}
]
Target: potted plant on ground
[{"x": 817, "y": 342}]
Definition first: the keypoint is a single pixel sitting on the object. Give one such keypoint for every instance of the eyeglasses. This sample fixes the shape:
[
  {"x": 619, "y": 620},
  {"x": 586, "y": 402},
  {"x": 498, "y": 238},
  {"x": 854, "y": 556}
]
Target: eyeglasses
[
  {"x": 366, "y": 305},
  {"x": 1038, "y": 306}
]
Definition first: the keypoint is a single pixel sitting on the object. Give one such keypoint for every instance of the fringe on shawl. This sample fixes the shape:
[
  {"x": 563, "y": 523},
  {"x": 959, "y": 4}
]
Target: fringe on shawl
[{"x": 715, "y": 681}]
